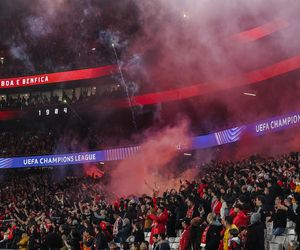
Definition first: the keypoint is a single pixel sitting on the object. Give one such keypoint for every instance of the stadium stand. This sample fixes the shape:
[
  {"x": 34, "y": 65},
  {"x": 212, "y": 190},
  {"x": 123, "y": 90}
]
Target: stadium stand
[{"x": 39, "y": 212}]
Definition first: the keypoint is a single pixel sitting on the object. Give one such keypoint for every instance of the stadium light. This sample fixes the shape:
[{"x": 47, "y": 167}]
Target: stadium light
[{"x": 187, "y": 154}]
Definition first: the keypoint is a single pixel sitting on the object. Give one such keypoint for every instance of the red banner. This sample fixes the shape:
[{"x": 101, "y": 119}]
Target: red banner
[
  {"x": 261, "y": 31},
  {"x": 66, "y": 76}
]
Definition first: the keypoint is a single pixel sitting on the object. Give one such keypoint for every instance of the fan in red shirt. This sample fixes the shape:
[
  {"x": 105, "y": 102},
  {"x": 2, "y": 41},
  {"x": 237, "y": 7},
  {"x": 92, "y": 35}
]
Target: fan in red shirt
[
  {"x": 159, "y": 222},
  {"x": 185, "y": 238},
  {"x": 240, "y": 218},
  {"x": 202, "y": 187},
  {"x": 216, "y": 205}
]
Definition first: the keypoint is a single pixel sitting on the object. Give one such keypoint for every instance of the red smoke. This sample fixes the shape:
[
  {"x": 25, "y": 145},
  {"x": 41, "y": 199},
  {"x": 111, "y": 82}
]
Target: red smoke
[
  {"x": 92, "y": 170},
  {"x": 252, "y": 77},
  {"x": 148, "y": 169},
  {"x": 185, "y": 42},
  {"x": 271, "y": 144}
]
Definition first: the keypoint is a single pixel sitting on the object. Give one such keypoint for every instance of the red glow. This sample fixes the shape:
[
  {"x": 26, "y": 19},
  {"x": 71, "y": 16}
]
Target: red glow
[
  {"x": 92, "y": 170},
  {"x": 261, "y": 31},
  {"x": 251, "y": 77},
  {"x": 9, "y": 115}
]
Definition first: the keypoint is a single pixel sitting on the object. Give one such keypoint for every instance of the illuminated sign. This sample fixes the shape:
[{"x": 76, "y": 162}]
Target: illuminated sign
[
  {"x": 53, "y": 111},
  {"x": 66, "y": 76},
  {"x": 204, "y": 141}
]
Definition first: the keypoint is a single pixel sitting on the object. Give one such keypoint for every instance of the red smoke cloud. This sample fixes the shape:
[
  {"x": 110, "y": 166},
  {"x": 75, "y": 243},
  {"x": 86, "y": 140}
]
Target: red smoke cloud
[
  {"x": 148, "y": 168},
  {"x": 271, "y": 144},
  {"x": 252, "y": 77},
  {"x": 183, "y": 42},
  {"x": 92, "y": 170},
  {"x": 186, "y": 42}
]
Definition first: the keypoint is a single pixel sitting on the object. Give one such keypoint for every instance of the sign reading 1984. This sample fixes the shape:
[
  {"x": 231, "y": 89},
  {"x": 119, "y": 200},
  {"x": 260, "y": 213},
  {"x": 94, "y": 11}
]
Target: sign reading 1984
[{"x": 53, "y": 111}]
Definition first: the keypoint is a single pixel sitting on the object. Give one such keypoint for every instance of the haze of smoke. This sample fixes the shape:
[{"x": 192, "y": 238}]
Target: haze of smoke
[
  {"x": 190, "y": 41},
  {"x": 185, "y": 42},
  {"x": 92, "y": 170},
  {"x": 110, "y": 37},
  {"x": 269, "y": 145},
  {"x": 38, "y": 27},
  {"x": 148, "y": 168},
  {"x": 18, "y": 51}
]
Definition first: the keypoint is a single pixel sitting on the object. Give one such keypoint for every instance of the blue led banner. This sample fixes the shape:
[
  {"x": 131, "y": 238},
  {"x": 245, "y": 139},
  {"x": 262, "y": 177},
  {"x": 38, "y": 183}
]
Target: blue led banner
[
  {"x": 204, "y": 141},
  {"x": 263, "y": 127},
  {"x": 52, "y": 160}
]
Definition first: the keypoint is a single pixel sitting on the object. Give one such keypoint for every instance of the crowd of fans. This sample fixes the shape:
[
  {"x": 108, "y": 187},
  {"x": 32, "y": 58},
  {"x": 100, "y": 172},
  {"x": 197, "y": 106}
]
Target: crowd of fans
[
  {"x": 42, "y": 100},
  {"x": 226, "y": 207},
  {"x": 28, "y": 101},
  {"x": 32, "y": 141},
  {"x": 27, "y": 143}
]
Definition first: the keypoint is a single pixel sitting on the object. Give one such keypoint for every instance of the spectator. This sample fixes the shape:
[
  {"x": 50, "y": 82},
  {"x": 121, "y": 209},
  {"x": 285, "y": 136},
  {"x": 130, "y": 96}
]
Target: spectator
[
  {"x": 138, "y": 233},
  {"x": 53, "y": 240},
  {"x": 144, "y": 246},
  {"x": 279, "y": 217},
  {"x": 34, "y": 238},
  {"x": 294, "y": 215},
  {"x": 195, "y": 232},
  {"x": 73, "y": 240},
  {"x": 125, "y": 246},
  {"x": 113, "y": 246},
  {"x": 124, "y": 232},
  {"x": 224, "y": 208},
  {"x": 192, "y": 211},
  {"x": 159, "y": 222},
  {"x": 100, "y": 242},
  {"x": 162, "y": 243},
  {"x": 63, "y": 230},
  {"x": 255, "y": 233},
  {"x": 261, "y": 208},
  {"x": 154, "y": 240},
  {"x": 118, "y": 223},
  {"x": 185, "y": 238},
  {"x": 269, "y": 200},
  {"x": 88, "y": 240},
  {"x": 240, "y": 218},
  {"x": 23, "y": 243},
  {"x": 135, "y": 246},
  {"x": 234, "y": 240},
  {"x": 228, "y": 224},
  {"x": 211, "y": 236},
  {"x": 216, "y": 204}
]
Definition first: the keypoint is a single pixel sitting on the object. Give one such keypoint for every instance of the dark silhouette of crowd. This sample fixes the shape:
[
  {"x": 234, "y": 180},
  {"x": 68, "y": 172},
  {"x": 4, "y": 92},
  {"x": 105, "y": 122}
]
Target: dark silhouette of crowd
[
  {"x": 227, "y": 206},
  {"x": 37, "y": 141},
  {"x": 40, "y": 100},
  {"x": 47, "y": 141},
  {"x": 27, "y": 142}
]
